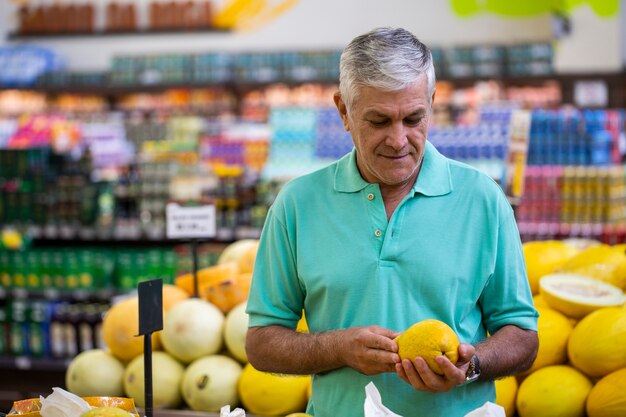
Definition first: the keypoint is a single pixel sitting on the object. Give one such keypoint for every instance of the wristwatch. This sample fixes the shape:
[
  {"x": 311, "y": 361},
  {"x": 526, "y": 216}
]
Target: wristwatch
[{"x": 473, "y": 370}]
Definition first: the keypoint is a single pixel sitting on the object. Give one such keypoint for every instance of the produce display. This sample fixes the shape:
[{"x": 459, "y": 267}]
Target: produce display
[
  {"x": 199, "y": 359},
  {"x": 580, "y": 369}
]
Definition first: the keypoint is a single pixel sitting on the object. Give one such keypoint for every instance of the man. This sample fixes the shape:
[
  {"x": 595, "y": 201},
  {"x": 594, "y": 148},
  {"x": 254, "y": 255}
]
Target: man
[{"x": 391, "y": 234}]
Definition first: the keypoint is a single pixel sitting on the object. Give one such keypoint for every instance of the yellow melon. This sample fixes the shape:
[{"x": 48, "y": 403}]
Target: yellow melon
[
  {"x": 207, "y": 276},
  {"x": 597, "y": 343},
  {"x": 607, "y": 398},
  {"x": 106, "y": 411},
  {"x": 543, "y": 257},
  {"x": 553, "y": 391},
  {"x": 582, "y": 243},
  {"x": 302, "y": 325},
  {"x": 554, "y": 330},
  {"x": 576, "y": 295},
  {"x": 506, "y": 393},
  {"x": 602, "y": 262},
  {"x": 429, "y": 338},
  {"x": 172, "y": 295},
  {"x": 120, "y": 326},
  {"x": 267, "y": 394},
  {"x": 539, "y": 301},
  {"x": 620, "y": 247},
  {"x": 242, "y": 252},
  {"x": 228, "y": 293}
]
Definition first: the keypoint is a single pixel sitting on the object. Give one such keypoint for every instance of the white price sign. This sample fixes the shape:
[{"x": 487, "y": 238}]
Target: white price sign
[
  {"x": 190, "y": 222},
  {"x": 591, "y": 93}
]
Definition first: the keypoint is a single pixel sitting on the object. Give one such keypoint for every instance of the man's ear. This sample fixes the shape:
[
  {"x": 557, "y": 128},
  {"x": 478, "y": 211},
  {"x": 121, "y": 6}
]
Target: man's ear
[
  {"x": 343, "y": 110},
  {"x": 432, "y": 99}
]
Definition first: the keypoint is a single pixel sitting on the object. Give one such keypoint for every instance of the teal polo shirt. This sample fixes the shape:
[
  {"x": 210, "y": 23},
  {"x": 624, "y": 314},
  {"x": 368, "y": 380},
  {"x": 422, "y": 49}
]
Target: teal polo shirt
[{"x": 451, "y": 251}]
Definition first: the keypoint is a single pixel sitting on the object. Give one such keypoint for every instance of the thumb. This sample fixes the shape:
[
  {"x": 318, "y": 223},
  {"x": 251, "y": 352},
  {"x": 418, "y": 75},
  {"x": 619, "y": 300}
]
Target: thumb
[{"x": 466, "y": 351}]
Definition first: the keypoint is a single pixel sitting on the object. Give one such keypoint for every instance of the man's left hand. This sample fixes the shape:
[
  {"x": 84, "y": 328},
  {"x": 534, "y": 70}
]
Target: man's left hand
[{"x": 418, "y": 374}]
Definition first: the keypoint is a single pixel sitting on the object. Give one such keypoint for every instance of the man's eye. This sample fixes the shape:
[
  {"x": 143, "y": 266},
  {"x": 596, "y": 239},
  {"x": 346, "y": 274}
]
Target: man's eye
[
  {"x": 378, "y": 122},
  {"x": 413, "y": 122}
]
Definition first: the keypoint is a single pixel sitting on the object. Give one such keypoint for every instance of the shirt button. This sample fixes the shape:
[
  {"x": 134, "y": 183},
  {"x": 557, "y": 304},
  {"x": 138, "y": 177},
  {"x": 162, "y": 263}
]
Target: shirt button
[
  {"x": 378, "y": 233},
  {"x": 370, "y": 196}
]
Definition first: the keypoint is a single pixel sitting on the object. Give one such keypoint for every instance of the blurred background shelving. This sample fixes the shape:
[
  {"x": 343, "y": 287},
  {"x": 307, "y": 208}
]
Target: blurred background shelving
[{"x": 107, "y": 114}]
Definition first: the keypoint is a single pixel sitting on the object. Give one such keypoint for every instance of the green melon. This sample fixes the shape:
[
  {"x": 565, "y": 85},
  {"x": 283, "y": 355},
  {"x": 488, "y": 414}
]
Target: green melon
[{"x": 95, "y": 373}]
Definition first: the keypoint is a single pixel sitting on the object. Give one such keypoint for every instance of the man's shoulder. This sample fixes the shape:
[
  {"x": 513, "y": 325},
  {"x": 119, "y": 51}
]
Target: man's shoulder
[
  {"x": 309, "y": 184},
  {"x": 464, "y": 172}
]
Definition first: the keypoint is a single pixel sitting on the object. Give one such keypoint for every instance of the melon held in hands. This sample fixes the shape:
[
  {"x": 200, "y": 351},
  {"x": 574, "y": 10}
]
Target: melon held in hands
[{"x": 429, "y": 338}]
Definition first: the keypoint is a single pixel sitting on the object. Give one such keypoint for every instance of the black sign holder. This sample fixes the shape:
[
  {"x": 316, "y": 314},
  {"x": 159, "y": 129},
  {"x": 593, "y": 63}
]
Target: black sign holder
[
  {"x": 194, "y": 266},
  {"x": 150, "y": 321}
]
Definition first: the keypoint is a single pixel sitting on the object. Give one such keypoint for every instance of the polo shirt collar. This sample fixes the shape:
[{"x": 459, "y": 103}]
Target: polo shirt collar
[{"x": 433, "y": 179}]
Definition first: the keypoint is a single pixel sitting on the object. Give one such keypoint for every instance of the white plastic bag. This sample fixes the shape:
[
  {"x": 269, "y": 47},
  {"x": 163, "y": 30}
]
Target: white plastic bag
[
  {"x": 237, "y": 412},
  {"x": 373, "y": 406},
  {"x": 62, "y": 403}
]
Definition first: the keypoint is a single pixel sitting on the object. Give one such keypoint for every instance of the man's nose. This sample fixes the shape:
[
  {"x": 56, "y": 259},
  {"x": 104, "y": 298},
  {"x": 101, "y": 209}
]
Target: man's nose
[{"x": 396, "y": 136}]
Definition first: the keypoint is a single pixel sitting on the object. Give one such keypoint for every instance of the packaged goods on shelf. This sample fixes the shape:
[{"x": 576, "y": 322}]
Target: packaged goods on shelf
[
  {"x": 483, "y": 144},
  {"x": 15, "y": 103},
  {"x": 331, "y": 139},
  {"x": 44, "y": 328},
  {"x": 557, "y": 194},
  {"x": 87, "y": 270},
  {"x": 22, "y": 65},
  {"x": 575, "y": 137},
  {"x": 529, "y": 59},
  {"x": 222, "y": 67},
  {"x": 471, "y": 61},
  {"x": 71, "y": 79}
]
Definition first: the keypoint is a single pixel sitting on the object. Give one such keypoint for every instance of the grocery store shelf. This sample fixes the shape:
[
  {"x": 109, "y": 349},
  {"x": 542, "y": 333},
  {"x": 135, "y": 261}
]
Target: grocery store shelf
[
  {"x": 56, "y": 294},
  {"x": 16, "y": 36},
  {"x": 25, "y": 363},
  {"x": 615, "y": 82},
  {"x": 116, "y": 90},
  {"x": 47, "y": 236}
]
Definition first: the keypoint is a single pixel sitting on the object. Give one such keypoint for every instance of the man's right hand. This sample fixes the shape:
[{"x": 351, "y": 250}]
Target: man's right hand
[{"x": 370, "y": 349}]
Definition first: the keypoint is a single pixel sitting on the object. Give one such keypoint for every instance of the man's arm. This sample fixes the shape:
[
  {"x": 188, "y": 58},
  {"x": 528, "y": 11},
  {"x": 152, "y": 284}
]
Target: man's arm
[
  {"x": 370, "y": 350},
  {"x": 509, "y": 351}
]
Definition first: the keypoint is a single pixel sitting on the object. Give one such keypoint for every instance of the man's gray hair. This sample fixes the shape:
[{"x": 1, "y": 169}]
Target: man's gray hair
[{"x": 385, "y": 58}]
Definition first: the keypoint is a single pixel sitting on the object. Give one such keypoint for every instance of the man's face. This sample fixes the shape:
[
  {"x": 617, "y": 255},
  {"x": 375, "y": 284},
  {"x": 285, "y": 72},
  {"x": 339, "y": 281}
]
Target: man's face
[{"x": 389, "y": 131}]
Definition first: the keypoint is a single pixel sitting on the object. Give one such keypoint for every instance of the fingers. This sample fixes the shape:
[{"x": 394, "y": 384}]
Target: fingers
[
  {"x": 375, "y": 337},
  {"x": 413, "y": 373},
  {"x": 370, "y": 350},
  {"x": 391, "y": 334},
  {"x": 418, "y": 374}
]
